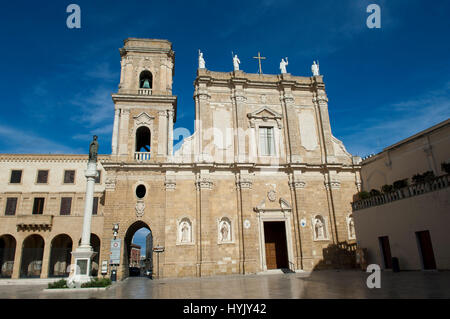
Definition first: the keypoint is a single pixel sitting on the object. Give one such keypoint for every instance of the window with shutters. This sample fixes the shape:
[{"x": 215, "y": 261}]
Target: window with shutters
[
  {"x": 11, "y": 205},
  {"x": 69, "y": 177},
  {"x": 66, "y": 205},
  {"x": 266, "y": 141},
  {"x": 95, "y": 206},
  {"x": 16, "y": 176},
  {"x": 42, "y": 177},
  {"x": 38, "y": 206}
]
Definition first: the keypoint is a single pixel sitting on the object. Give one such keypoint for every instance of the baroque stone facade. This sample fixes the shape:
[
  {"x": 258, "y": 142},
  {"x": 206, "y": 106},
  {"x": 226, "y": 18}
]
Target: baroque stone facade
[{"x": 243, "y": 194}]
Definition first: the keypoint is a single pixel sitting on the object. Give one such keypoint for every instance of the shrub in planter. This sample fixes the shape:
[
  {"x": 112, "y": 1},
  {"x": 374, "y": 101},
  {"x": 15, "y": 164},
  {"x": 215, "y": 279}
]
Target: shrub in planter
[
  {"x": 446, "y": 167},
  {"x": 97, "y": 283},
  {"x": 387, "y": 188},
  {"x": 418, "y": 178},
  {"x": 363, "y": 195},
  {"x": 400, "y": 183},
  {"x": 375, "y": 192},
  {"x": 58, "y": 284},
  {"x": 425, "y": 177}
]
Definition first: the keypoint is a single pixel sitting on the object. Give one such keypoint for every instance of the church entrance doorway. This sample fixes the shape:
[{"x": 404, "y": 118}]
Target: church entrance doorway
[
  {"x": 138, "y": 250},
  {"x": 276, "y": 245}
]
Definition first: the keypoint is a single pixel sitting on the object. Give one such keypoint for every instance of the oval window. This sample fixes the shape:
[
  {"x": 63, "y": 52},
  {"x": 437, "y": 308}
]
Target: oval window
[{"x": 140, "y": 191}]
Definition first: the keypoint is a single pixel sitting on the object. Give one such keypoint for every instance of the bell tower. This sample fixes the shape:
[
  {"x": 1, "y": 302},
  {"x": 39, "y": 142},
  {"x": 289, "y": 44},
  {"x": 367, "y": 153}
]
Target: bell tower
[{"x": 145, "y": 109}]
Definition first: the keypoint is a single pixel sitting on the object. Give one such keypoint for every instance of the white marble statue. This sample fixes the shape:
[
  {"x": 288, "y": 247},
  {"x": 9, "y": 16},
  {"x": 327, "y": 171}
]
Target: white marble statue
[
  {"x": 201, "y": 61},
  {"x": 236, "y": 62},
  {"x": 224, "y": 231},
  {"x": 315, "y": 69},
  {"x": 319, "y": 228},
  {"x": 283, "y": 65},
  {"x": 185, "y": 232},
  {"x": 351, "y": 227}
]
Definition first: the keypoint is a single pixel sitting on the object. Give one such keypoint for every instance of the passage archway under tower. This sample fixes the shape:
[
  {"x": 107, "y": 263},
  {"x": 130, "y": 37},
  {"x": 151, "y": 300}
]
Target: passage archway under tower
[{"x": 144, "y": 238}]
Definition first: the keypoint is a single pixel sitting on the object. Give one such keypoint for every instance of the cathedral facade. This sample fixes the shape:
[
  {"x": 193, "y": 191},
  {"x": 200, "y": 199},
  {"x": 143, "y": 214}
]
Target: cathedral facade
[{"x": 262, "y": 184}]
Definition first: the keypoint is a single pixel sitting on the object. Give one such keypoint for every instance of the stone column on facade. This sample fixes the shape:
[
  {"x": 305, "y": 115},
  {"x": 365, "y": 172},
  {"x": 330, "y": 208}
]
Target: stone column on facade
[
  {"x": 204, "y": 118},
  {"x": 321, "y": 102},
  {"x": 248, "y": 239},
  {"x": 197, "y": 129},
  {"x": 332, "y": 186},
  {"x": 240, "y": 118},
  {"x": 170, "y": 134},
  {"x": 45, "y": 259},
  {"x": 84, "y": 253},
  {"x": 303, "y": 236},
  {"x": 198, "y": 218},
  {"x": 290, "y": 121},
  {"x": 204, "y": 185},
  {"x": 162, "y": 134},
  {"x": 17, "y": 258},
  {"x": 123, "y": 138},
  {"x": 115, "y": 137}
]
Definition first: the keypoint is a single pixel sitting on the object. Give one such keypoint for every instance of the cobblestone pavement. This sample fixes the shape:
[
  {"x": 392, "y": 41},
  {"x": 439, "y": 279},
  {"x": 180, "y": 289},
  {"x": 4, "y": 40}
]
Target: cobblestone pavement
[{"x": 318, "y": 284}]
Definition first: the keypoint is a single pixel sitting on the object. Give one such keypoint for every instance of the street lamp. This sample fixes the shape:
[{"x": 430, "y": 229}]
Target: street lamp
[{"x": 115, "y": 230}]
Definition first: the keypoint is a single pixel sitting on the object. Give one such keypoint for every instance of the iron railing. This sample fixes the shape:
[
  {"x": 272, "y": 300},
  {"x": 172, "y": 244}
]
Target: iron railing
[{"x": 435, "y": 184}]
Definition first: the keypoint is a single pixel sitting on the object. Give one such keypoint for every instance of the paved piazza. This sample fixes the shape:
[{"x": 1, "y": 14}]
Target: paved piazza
[{"x": 319, "y": 284}]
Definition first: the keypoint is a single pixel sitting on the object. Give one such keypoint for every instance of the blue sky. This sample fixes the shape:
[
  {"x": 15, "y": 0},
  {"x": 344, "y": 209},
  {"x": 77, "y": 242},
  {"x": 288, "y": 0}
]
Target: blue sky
[{"x": 383, "y": 84}]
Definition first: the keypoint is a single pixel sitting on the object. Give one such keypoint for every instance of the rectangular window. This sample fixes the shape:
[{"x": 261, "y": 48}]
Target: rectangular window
[
  {"x": 11, "y": 205},
  {"x": 266, "y": 141},
  {"x": 38, "y": 206},
  {"x": 98, "y": 178},
  {"x": 16, "y": 177},
  {"x": 95, "y": 206},
  {"x": 69, "y": 177},
  {"x": 42, "y": 177},
  {"x": 66, "y": 204}
]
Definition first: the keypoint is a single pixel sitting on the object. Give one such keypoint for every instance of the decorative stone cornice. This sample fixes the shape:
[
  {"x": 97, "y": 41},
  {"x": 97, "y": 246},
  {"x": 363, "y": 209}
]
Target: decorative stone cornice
[
  {"x": 264, "y": 114},
  {"x": 204, "y": 183},
  {"x": 244, "y": 183},
  {"x": 240, "y": 98},
  {"x": 34, "y": 222},
  {"x": 332, "y": 185},
  {"x": 288, "y": 99},
  {"x": 297, "y": 184},
  {"x": 110, "y": 184},
  {"x": 56, "y": 158},
  {"x": 170, "y": 184},
  {"x": 143, "y": 119}
]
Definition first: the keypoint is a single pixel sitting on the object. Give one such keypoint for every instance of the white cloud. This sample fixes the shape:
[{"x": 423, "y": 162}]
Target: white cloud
[
  {"x": 400, "y": 120},
  {"x": 19, "y": 141}
]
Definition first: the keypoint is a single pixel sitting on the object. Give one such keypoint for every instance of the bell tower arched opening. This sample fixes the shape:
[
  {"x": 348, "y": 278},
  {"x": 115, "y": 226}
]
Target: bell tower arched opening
[
  {"x": 146, "y": 80},
  {"x": 143, "y": 143}
]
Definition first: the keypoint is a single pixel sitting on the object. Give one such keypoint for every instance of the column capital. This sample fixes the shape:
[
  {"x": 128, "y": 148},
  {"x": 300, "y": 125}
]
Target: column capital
[{"x": 204, "y": 183}]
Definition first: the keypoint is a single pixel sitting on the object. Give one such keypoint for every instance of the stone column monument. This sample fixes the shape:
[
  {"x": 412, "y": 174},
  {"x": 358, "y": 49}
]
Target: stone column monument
[{"x": 84, "y": 253}]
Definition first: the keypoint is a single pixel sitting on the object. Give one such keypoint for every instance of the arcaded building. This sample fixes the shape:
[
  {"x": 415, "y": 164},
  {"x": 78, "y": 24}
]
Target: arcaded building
[{"x": 262, "y": 183}]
